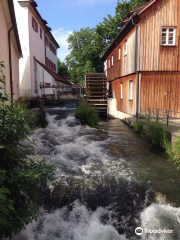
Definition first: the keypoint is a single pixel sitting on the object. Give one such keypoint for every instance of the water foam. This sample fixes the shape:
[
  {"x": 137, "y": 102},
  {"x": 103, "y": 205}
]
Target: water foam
[
  {"x": 160, "y": 217},
  {"x": 78, "y": 224}
]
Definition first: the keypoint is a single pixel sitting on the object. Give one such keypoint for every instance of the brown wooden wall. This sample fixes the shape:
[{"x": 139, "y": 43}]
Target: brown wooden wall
[
  {"x": 125, "y": 65},
  {"x": 160, "y": 90},
  {"x": 153, "y": 56},
  {"x": 125, "y": 105}
]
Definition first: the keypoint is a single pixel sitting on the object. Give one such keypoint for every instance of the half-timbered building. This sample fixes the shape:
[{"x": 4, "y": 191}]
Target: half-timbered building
[{"x": 143, "y": 62}]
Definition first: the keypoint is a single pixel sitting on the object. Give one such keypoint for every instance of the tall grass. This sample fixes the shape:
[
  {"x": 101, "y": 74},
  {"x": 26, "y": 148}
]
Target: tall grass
[
  {"x": 155, "y": 132},
  {"x": 87, "y": 115}
]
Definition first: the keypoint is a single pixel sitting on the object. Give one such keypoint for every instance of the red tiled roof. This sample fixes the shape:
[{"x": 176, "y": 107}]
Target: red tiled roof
[
  {"x": 133, "y": 11},
  {"x": 56, "y": 76}
]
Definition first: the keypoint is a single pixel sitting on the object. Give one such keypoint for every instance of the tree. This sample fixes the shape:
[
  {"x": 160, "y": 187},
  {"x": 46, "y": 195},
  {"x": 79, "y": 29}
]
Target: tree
[
  {"x": 20, "y": 169},
  {"x": 110, "y": 27},
  {"x": 88, "y": 44},
  {"x": 86, "y": 50},
  {"x": 62, "y": 69}
]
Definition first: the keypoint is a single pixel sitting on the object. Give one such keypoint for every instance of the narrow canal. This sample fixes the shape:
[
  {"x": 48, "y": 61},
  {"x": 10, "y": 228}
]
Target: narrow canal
[{"x": 107, "y": 183}]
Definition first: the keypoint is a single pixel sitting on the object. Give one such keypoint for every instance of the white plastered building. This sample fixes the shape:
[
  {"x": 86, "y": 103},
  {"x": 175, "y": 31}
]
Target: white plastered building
[{"x": 37, "y": 44}]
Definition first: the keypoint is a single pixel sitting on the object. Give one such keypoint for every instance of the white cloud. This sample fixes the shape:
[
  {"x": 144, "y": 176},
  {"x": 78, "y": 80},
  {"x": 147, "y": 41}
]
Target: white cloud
[{"x": 61, "y": 36}]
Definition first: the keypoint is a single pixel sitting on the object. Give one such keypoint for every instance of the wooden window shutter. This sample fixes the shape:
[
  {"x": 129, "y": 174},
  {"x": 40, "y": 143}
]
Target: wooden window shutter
[
  {"x": 32, "y": 22},
  {"x": 49, "y": 63},
  {"x": 54, "y": 67}
]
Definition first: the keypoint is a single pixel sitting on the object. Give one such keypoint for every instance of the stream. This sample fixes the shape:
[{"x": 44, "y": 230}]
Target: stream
[{"x": 108, "y": 182}]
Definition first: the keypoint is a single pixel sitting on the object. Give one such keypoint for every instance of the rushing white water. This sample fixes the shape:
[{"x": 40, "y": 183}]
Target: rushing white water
[{"x": 82, "y": 155}]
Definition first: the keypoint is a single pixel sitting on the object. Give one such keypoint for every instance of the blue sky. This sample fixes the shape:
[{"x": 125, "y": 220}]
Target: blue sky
[{"x": 65, "y": 16}]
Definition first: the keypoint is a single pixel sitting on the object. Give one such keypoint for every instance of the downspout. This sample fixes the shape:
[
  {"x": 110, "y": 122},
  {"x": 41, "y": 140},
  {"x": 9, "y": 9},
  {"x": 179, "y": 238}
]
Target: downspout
[
  {"x": 45, "y": 45},
  {"x": 10, "y": 62},
  {"x": 135, "y": 66}
]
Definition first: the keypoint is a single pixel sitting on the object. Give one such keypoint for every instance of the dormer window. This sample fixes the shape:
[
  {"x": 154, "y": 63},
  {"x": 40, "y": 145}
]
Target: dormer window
[{"x": 168, "y": 36}]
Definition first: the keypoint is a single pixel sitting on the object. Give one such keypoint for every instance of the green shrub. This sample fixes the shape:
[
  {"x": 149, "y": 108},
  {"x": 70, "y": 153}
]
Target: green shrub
[
  {"x": 138, "y": 127},
  {"x": 20, "y": 169},
  {"x": 87, "y": 115},
  {"x": 174, "y": 152},
  {"x": 156, "y": 133}
]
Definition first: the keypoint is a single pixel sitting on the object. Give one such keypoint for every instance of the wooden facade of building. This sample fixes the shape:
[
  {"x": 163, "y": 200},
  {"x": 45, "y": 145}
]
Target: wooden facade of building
[{"x": 143, "y": 62}]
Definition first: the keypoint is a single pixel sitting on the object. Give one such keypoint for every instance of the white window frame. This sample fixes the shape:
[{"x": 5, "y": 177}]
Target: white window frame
[
  {"x": 109, "y": 63},
  {"x": 131, "y": 90},
  {"x": 121, "y": 91},
  {"x": 126, "y": 46},
  {"x": 119, "y": 53},
  {"x": 168, "y": 35},
  {"x": 112, "y": 60}
]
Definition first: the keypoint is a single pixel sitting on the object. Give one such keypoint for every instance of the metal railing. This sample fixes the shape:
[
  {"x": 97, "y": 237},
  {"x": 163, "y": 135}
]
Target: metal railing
[{"x": 164, "y": 115}]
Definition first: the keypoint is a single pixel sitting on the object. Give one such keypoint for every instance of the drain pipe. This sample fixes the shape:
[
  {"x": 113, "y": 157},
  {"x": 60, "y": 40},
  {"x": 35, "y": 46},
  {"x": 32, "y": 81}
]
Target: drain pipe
[
  {"x": 135, "y": 66},
  {"x": 10, "y": 62}
]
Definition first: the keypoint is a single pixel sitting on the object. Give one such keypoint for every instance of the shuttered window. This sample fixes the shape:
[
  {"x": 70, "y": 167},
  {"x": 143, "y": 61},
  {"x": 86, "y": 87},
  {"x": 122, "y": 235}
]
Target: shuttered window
[
  {"x": 52, "y": 65},
  {"x": 47, "y": 61},
  {"x": 34, "y": 25},
  {"x": 168, "y": 36},
  {"x": 41, "y": 33}
]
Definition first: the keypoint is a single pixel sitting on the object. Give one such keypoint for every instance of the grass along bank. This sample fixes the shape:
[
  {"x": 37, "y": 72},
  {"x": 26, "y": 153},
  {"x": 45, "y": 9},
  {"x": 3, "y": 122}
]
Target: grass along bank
[
  {"x": 158, "y": 135},
  {"x": 87, "y": 115}
]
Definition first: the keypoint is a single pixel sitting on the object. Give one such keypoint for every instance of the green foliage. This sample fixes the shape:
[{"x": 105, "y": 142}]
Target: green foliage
[
  {"x": 87, "y": 115},
  {"x": 110, "y": 27},
  {"x": 85, "y": 54},
  {"x": 138, "y": 127},
  {"x": 156, "y": 133},
  {"x": 62, "y": 69},
  {"x": 174, "y": 152},
  {"x": 20, "y": 169},
  {"x": 88, "y": 44}
]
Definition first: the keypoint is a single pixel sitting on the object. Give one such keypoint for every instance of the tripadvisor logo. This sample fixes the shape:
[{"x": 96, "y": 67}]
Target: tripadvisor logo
[{"x": 138, "y": 231}]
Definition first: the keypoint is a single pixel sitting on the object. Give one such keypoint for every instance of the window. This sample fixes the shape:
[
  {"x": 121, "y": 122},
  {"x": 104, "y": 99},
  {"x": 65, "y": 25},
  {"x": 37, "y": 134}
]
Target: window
[
  {"x": 47, "y": 61},
  {"x": 168, "y": 36},
  {"x": 109, "y": 63},
  {"x": 52, "y": 65},
  {"x": 126, "y": 46},
  {"x": 121, "y": 91},
  {"x": 119, "y": 53},
  {"x": 130, "y": 90},
  {"x": 112, "y": 60},
  {"x": 49, "y": 45},
  {"x": 46, "y": 41},
  {"x": 34, "y": 25},
  {"x": 41, "y": 33}
]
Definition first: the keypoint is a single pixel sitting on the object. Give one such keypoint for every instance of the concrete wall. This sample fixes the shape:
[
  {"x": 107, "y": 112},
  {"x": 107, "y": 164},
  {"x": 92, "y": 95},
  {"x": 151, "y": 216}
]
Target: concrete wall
[
  {"x": 112, "y": 112},
  {"x": 5, "y": 25}
]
